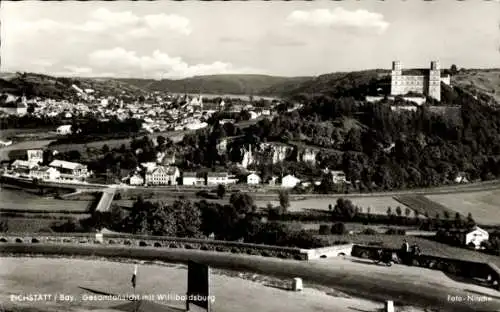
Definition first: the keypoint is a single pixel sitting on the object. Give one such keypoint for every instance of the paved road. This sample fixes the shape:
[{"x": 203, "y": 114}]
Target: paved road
[{"x": 405, "y": 285}]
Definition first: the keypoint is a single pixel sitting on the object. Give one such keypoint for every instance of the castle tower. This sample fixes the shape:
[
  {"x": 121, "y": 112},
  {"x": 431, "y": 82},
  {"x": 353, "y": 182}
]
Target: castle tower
[
  {"x": 435, "y": 81},
  {"x": 396, "y": 78}
]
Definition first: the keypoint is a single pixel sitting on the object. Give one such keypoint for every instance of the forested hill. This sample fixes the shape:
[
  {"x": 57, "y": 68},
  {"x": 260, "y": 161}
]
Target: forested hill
[
  {"x": 33, "y": 85},
  {"x": 220, "y": 84}
]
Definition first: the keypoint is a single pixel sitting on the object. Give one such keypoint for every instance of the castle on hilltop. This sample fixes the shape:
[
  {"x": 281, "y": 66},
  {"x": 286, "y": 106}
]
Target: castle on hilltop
[{"x": 422, "y": 81}]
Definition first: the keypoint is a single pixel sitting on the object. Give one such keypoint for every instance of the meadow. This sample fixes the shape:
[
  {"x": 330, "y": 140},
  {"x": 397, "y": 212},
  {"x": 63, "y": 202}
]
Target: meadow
[{"x": 483, "y": 205}]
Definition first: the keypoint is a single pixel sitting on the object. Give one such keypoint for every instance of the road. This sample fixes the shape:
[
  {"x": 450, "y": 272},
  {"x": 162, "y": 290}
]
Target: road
[{"x": 404, "y": 285}]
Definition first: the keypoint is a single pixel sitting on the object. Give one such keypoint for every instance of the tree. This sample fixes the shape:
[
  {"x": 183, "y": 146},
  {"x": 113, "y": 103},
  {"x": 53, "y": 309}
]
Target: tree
[
  {"x": 338, "y": 228},
  {"x": 344, "y": 209},
  {"x": 284, "y": 199},
  {"x": 470, "y": 220},
  {"x": 407, "y": 212},
  {"x": 330, "y": 207},
  {"x": 160, "y": 140},
  {"x": 105, "y": 149},
  {"x": 4, "y": 225},
  {"x": 221, "y": 191},
  {"x": 188, "y": 218},
  {"x": 389, "y": 211},
  {"x": 446, "y": 214},
  {"x": 398, "y": 211},
  {"x": 453, "y": 69}
]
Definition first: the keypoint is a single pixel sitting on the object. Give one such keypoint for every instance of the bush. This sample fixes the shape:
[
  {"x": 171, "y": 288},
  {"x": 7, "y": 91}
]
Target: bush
[
  {"x": 338, "y": 228},
  {"x": 324, "y": 229},
  {"x": 173, "y": 245},
  {"x": 369, "y": 231},
  {"x": 393, "y": 231}
]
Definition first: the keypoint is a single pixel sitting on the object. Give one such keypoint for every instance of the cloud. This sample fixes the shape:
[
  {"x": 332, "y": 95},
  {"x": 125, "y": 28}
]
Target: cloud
[
  {"x": 102, "y": 20},
  {"x": 360, "y": 19},
  {"x": 125, "y": 63}
]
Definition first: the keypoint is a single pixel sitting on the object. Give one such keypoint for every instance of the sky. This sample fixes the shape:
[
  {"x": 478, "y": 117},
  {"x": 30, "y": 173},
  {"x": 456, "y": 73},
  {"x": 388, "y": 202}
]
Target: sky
[{"x": 167, "y": 39}]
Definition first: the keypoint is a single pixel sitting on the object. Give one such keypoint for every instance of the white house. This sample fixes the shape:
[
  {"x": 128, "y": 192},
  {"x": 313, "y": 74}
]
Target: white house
[
  {"x": 338, "y": 177},
  {"x": 5, "y": 143},
  {"x": 253, "y": 179},
  {"x": 35, "y": 156},
  {"x": 215, "y": 178},
  {"x": 476, "y": 236},
  {"x": 289, "y": 181},
  {"x": 192, "y": 178},
  {"x": 64, "y": 129},
  {"x": 23, "y": 165},
  {"x": 70, "y": 170},
  {"x": 45, "y": 173},
  {"x": 162, "y": 175},
  {"x": 136, "y": 179},
  {"x": 461, "y": 178}
]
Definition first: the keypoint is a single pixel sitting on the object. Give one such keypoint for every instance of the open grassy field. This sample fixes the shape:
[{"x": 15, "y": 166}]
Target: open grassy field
[
  {"x": 427, "y": 246},
  {"x": 67, "y": 276},
  {"x": 483, "y": 205},
  {"x": 376, "y": 205}
]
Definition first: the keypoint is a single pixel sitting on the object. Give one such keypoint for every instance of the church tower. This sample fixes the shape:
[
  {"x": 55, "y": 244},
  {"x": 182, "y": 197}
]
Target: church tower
[{"x": 435, "y": 81}]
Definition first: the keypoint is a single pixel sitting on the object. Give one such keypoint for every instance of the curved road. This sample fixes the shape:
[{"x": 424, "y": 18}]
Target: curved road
[{"x": 405, "y": 285}]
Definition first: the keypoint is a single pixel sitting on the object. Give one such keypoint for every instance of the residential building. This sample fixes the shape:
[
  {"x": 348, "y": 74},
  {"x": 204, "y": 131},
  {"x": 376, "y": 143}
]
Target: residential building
[
  {"x": 5, "y": 143},
  {"x": 64, "y": 130},
  {"x": 192, "y": 178},
  {"x": 461, "y": 178},
  {"x": 136, "y": 179},
  {"x": 45, "y": 173},
  {"x": 338, "y": 176},
  {"x": 476, "y": 236},
  {"x": 70, "y": 170},
  {"x": 23, "y": 166},
  {"x": 215, "y": 178},
  {"x": 289, "y": 181},
  {"x": 253, "y": 179},
  {"x": 35, "y": 156},
  {"x": 162, "y": 175}
]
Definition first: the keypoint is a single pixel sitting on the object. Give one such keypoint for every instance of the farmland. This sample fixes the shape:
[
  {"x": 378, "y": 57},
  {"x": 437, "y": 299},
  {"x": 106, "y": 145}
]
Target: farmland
[
  {"x": 424, "y": 205},
  {"x": 483, "y": 205},
  {"x": 428, "y": 247},
  {"x": 376, "y": 205}
]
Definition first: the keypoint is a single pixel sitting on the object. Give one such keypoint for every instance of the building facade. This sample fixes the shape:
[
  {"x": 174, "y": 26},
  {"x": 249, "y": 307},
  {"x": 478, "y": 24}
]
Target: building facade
[
  {"x": 162, "y": 175},
  {"x": 422, "y": 81},
  {"x": 70, "y": 170}
]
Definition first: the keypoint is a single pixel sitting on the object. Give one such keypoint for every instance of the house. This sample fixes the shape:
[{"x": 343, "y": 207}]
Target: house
[
  {"x": 472, "y": 237},
  {"x": 272, "y": 180},
  {"x": 338, "y": 176},
  {"x": 215, "y": 178},
  {"x": 64, "y": 129},
  {"x": 70, "y": 170},
  {"x": 23, "y": 165},
  {"x": 253, "y": 179},
  {"x": 289, "y": 181},
  {"x": 192, "y": 178},
  {"x": 5, "y": 143},
  {"x": 136, "y": 179},
  {"x": 162, "y": 175},
  {"x": 476, "y": 236},
  {"x": 35, "y": 156},
  {"x": 461, "y": 178},
  {"x": 45, "y": 173}
]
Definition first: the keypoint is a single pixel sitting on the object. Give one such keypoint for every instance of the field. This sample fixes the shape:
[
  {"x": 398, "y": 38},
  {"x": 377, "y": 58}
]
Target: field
[
  {"x": 59, "y": 276},
  {"x": 484, "y": 205},
  {"x": 376, "y": 205},
  {"x": 428, "y": 247},
  {"x": 37, "y": 144},
  {"x": 424, "y": 205}
]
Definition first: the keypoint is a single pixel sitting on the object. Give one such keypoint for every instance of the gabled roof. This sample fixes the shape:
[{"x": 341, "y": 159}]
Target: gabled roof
[{"x": 66, "y": 164}]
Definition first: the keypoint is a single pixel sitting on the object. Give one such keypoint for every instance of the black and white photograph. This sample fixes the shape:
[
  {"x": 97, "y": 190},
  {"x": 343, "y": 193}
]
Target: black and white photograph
[{"x": 250, "y": 156}]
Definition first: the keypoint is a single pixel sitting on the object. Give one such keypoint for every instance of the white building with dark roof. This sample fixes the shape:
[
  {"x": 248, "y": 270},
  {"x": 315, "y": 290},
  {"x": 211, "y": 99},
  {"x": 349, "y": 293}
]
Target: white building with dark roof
[{"x": 70, "y": 170}]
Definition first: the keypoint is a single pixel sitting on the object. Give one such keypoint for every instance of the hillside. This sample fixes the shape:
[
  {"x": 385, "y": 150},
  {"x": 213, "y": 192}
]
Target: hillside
[
  {"x": 482, "y": 81},
  {"x": 217, "y": 84},
  {"x": 33, "y": 85}
]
